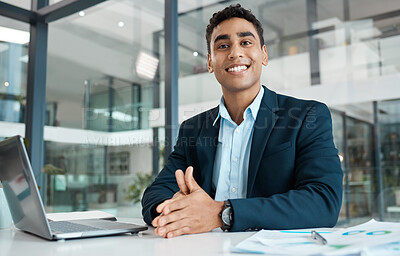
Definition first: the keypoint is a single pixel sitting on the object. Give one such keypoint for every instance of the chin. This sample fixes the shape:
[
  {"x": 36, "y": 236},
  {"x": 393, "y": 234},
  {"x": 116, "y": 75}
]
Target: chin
[{"x": 238, "y": 88}]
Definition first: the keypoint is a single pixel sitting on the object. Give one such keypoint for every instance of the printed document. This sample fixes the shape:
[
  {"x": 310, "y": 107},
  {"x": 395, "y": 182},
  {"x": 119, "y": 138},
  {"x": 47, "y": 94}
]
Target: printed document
[{"x": 368, "y": 238}]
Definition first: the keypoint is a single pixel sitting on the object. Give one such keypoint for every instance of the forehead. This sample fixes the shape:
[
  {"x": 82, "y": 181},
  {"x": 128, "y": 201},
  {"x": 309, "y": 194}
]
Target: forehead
[{"x": 232, "y": 27}]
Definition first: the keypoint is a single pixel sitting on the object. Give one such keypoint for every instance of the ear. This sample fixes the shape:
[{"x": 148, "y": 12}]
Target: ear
[
  {"x": 265, "y": 59},
  {"x": 209, "y": 63}
]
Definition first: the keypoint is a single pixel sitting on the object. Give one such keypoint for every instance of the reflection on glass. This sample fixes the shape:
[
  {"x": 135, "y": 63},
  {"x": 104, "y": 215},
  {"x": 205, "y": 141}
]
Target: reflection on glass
[
  {"x": 390, "y": 148},
  {"x": 114, "y": 105},
  {"x": 103, "y": 69},
  {"x": 26, "y": 4},
  {"x": 352, "y": 130},
  {"x": 95, "y": 176},
  {"x": 105, "y": 76},
  {"x": 14, "y": 41},
  {"x": 349, "y": 49},
  {"x": 361, "y": 172},
  {"x": 357, "y": 46}
]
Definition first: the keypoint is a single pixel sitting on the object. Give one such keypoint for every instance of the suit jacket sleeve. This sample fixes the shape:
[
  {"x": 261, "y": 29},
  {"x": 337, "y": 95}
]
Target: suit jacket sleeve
[
  {"x": 315, "y": 199},
  {"x": 165, "y": 186}
]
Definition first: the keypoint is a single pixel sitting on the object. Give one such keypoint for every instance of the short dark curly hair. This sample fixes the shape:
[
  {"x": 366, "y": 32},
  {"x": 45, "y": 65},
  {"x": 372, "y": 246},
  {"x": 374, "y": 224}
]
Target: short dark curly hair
[{"x": 229, "y": 12}]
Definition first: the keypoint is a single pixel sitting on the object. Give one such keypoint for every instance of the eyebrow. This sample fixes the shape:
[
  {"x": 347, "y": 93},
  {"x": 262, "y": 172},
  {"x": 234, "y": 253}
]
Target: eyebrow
[
  {"x": 221, "y": 37},
  {"x": 244, "y": 34},
  {"x": 240, "y": 34}
]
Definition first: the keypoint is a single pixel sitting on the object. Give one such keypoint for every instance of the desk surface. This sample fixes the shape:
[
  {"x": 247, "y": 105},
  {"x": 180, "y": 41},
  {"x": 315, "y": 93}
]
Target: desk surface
[{"x": 14, "y": 242}]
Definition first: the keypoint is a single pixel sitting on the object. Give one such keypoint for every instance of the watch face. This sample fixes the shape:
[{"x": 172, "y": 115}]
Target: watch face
[{"x": 226, "y": 216}]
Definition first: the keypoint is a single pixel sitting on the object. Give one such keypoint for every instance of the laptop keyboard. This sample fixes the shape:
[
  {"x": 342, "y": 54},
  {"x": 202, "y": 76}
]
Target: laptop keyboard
[{"x": 69, "y": 227}]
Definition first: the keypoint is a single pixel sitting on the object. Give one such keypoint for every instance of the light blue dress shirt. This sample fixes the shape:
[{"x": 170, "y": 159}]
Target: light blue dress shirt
[{"x": 232, "y": 157}]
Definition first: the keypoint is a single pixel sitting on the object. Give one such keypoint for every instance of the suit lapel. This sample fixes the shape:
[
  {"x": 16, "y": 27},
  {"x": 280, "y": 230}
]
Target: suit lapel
[
  {"x": 265, "y": 122},
  {"x": 208, "y": 141}
]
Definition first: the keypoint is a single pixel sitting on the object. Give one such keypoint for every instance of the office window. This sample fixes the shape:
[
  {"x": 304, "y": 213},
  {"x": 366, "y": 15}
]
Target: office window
[
  {"x": 390, "y": 147},
  {"x": 337, "y": 52},
  {"x": 26, "y": 4},
  {"x": 14, "y": 43},
  {"x": 105, "y": 93},
  {"x": 103, "y": 65}
]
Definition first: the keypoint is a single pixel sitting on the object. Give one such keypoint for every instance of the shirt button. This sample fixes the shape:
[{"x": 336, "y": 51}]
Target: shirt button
[
  {"x": 233, "y": 190},
  {"x": 235, "y": 159},
  {"x": 237, "y": 130}
]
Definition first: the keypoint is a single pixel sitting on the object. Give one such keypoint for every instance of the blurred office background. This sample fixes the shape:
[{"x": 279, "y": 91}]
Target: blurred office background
[{"x": 104, "y": 134}]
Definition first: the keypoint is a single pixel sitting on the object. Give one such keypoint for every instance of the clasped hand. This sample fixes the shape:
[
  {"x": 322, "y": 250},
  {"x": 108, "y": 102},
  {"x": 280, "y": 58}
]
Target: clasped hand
[{"x": 191, "y": 210}]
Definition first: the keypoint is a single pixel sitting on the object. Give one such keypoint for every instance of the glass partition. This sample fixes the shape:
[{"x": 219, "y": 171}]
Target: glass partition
[
  {"x": 356, "y": 44},
  {"x": 389, "y": 118},
  {"x": 103, "y": 66},
  {"x": 351, "y": 45},
  {"x": 361, "y": 175},
  {"x": 14, "y": 43},
  {"x": 354, "y": 139},
  {"x": 26, "y": 4},
  {"x": 104, "y": 135}
]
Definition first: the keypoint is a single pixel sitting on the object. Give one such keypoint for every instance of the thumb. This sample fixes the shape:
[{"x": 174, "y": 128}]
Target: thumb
[
  {"x": 190, "y": 181},
  {"x": 180, "y": 179}
]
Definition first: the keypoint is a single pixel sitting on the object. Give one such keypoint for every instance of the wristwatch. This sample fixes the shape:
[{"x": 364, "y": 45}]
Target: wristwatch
[{"x": 226, "y": 216}]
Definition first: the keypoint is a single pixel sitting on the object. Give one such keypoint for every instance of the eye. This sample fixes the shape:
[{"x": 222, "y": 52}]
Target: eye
[
  {"x": 246, "y": 43},
  {"x": 222, "y": 46}
]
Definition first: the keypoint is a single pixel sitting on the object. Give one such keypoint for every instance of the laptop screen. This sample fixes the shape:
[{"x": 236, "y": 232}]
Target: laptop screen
[{"x": 20, "y": 188}]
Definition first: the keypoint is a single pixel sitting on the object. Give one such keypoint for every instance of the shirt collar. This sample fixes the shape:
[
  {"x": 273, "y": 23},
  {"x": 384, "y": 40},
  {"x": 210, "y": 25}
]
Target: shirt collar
[{"x": 253, "y": 107}]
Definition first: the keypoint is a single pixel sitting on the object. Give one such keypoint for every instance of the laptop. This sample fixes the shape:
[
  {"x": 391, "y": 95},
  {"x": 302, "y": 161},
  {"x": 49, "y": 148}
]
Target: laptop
[{"x": 27, "y": 208}]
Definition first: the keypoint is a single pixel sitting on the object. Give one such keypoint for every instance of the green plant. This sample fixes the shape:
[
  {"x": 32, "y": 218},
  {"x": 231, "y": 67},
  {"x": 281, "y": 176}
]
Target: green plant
[
  {"x": 140, "y": 182},
  {"x": 50, "y": 169}
]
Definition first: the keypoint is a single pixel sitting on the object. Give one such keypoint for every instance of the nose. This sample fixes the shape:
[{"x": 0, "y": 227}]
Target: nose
[{"x": 236, "y": 52}]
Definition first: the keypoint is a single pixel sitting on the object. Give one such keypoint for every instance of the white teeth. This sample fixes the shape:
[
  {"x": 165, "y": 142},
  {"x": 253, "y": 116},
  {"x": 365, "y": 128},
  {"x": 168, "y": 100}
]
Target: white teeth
[{"x": 237, "y": 68}]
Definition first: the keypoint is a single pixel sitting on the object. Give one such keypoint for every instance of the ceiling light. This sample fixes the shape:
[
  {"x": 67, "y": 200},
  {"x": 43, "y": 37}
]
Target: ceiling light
[
  {"x": 14, "y": 35},
  {"x": 82, "y": 13},
  {"x": 146, "y": 65},
  {"x": 195, "y": 54},
  {"x": 121, "y": 24},
  {"x": 6, "y": 84}
]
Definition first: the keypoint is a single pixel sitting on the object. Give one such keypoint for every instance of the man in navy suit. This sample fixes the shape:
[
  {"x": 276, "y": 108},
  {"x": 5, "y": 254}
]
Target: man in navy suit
[{"x": 260, "y": 160}]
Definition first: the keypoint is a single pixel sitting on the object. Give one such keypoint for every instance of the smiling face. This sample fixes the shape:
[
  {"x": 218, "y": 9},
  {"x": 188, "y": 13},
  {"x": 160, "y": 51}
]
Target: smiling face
[{"x": 236, "y": 56}]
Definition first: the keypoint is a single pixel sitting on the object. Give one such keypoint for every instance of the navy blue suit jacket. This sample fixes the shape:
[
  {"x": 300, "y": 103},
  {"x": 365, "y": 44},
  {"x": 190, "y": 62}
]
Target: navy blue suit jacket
[{"x": 295, "y": 177}]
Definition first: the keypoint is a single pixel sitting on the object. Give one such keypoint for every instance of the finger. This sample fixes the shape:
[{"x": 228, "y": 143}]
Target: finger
[
  {"x": 180, "y": 179},
  {"x": 161, "y": 206},
  {"x": 155, "y": 220},
  {"x": 160, "y": 231},
  {"x": 154, "y": 223},
  {"x": 178, "y": 232},
  {"x": 174, "y": 228},
  {"x": 190, "y": 181},
  {"x": 175, "y": 205},
  {"x": 172, "y": 217}
]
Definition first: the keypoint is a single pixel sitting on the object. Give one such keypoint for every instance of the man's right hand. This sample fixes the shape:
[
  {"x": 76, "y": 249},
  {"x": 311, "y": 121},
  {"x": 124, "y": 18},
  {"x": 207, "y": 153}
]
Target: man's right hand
[
  {"x": 191, "y": 210},
  {"x": 184, "y": 190}
]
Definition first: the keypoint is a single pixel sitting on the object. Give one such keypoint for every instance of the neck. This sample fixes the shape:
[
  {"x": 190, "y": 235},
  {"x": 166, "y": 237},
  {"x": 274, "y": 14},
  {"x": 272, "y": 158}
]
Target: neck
[{"x": 237, "y": 102}]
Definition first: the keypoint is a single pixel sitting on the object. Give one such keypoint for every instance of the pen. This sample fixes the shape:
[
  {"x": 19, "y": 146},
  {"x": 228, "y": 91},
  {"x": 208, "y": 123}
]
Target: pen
[{"x": 317, "y": 236}]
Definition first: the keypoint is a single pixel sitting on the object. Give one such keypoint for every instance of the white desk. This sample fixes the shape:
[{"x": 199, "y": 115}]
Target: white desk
[{"x": 14, "y": 242}]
